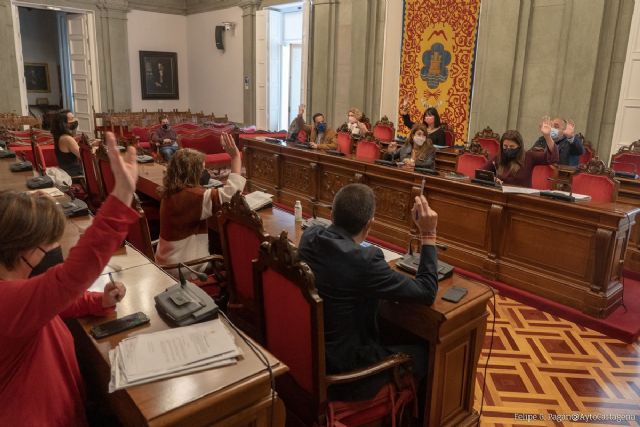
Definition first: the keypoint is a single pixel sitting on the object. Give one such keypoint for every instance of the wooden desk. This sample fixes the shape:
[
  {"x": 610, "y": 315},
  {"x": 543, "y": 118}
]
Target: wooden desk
[
  {"x": 236, "y": 395},
  {"x": 569, "y": 253},
  {"x": 455, "y": 333}
]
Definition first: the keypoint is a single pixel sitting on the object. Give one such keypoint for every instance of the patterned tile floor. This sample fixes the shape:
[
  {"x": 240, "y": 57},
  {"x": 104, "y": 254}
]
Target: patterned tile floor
[{"x": 547, "y": 371}]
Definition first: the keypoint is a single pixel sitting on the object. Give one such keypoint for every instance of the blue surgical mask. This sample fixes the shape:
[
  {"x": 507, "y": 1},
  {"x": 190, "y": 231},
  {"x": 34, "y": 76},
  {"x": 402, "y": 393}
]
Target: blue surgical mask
[
  {"x": 322, "y": 126},
  {"x": 554, "y": 133},
  {"x": 510, "y": 153}
]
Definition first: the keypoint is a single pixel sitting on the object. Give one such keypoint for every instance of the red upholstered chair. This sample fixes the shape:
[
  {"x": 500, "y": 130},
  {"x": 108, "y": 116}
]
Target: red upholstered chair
[
  {"x": 588, "y": 151},
  {"x": 367, "y": 150},
  {"x": 209, "y": 144},
  {"x": 92, "y": 175},
  {"x": 291, "y": 313},
  {"x": 596, "y": 180},
  {"x": 384, "y": 130},
  {"x": 628, "y": 167},
  {"x": 627, "y": 159},
  {"x": 186, "y": 126},
  {"x": 468, "y": 163},
  {"x": 540, "y": 175},
  {"x": 449, "y": 136},
  {"x": 489, "y": 140},
  {"x": 343, "y": 140},
  {"x": 139, "y": 237},
  {"x": 241, "y": 234}
]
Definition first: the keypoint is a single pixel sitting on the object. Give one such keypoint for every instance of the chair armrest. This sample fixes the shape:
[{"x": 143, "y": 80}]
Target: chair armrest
[
  {"x": 390, "y": 362},
  {"x": 202, "y": 260}
]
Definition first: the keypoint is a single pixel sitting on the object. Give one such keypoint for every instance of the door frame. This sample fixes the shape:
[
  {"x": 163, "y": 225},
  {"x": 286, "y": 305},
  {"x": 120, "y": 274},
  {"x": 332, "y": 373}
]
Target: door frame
[{"x": 93, "y": 49}]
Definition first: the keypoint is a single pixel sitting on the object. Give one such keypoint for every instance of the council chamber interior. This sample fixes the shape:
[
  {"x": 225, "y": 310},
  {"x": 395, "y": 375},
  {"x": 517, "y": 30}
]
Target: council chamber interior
[{"x": 344, "y": 212}]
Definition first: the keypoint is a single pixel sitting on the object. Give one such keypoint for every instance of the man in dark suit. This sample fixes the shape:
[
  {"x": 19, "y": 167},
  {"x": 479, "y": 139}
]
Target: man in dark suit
[{"x": 351, "y": 279}]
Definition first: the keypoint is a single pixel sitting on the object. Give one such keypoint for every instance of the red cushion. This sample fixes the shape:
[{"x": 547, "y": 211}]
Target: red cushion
[
  {"x": 364, "y": 411},
  {"x": 142, "y": 133},
  {"x": 108, "y": 179},
  {"x": 449, "y": 137},
  {"x": 286, "y": 309},
  {"x": 367, "y": 151},
  {"x": 145, "y": 145},
  {"x": 219, "y": 159},
  {"x": 624, "y": 161},
  {"x": 89, "y": 172},
  {"x": 491, "y": 145},
  {"x": 383, "y": 133},
  {"x": 468, "y": 163},
  {"x": 344, "y": 142},
  {"x": 586, "y": 156},
  {"x": 599, "y": 187},
  {"x": 539, "y": 177},
  {"x": 243, "y": 248}
]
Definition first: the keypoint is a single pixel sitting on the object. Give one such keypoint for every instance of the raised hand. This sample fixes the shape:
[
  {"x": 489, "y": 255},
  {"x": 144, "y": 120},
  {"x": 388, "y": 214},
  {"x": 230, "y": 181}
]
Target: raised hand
[
  {"x": 301, "y": 108},
  {"x": 425, "y": 218},
  {"x": 230, "y": 147},
  {"x": 404, "y": 107},
  {"x": 125, "y": 169},
  {"x": 545, "y": 126},
  {"x": 569, "y": 129}
]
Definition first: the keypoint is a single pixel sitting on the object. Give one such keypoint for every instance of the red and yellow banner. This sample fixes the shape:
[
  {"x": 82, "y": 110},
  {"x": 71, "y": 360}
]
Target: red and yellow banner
[{"x": 438, "y": 49}]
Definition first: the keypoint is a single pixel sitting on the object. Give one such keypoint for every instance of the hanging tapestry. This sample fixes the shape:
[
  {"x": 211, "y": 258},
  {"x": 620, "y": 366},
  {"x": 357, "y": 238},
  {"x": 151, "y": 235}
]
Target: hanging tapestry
[{"x": 438, "y": 49}]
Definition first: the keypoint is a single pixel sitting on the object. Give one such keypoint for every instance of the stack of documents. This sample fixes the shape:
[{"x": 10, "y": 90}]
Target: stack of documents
[
  {"x": 258, "y": 199},
  {"x": 150, "y": 357}
]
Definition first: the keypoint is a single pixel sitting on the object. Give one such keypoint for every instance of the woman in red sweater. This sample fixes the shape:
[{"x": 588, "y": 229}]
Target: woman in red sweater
[{"x": 40, "y": 382}]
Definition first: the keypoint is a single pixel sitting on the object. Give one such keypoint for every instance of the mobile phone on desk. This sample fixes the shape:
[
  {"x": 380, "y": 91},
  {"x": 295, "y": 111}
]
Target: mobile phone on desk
[
  {"x": 119, "y": 325},
  {"x": 454, "y": 294}
]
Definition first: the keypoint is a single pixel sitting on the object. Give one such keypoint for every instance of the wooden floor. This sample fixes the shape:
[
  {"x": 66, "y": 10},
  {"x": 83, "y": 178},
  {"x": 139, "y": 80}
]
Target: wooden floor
[{"x": 545, "y": 367}]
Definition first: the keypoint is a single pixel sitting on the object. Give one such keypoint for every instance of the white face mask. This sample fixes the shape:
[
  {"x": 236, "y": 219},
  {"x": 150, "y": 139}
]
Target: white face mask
[{"x": 419, "y": 140}]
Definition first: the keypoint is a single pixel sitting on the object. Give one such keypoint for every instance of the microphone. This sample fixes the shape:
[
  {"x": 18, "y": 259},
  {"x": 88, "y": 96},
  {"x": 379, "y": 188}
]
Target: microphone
[
  {"x": 183, "y": 282},
  {"x": 559, "y": 196}
]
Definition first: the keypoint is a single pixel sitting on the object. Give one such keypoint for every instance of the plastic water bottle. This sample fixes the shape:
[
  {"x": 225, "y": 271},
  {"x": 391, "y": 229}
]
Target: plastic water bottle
[{"x": 297, "y": 210}]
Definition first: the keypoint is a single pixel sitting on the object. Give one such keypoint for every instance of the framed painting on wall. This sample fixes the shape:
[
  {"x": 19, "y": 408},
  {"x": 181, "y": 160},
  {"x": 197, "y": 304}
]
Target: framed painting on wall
[
  {"x": 159, "y": 75},
  {"x": 36, "y": 76}
]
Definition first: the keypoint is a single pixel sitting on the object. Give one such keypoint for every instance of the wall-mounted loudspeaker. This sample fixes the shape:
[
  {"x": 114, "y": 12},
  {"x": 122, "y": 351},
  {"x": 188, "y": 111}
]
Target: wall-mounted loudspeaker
[{"x": 219, "y": 37}]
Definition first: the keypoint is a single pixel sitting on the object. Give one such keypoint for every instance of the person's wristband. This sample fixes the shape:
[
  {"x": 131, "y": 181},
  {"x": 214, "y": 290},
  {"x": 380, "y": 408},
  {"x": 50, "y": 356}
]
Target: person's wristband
[{"x": 428, "y": 238}]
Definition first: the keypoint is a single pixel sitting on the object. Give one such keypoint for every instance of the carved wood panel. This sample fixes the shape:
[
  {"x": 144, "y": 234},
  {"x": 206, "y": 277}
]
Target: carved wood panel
[
  {"x": 263, "y": 166},
  {"x": 332, "y": 181},
  {"x": 297, "y": 176},
  {"x": 391, "y": 202}
]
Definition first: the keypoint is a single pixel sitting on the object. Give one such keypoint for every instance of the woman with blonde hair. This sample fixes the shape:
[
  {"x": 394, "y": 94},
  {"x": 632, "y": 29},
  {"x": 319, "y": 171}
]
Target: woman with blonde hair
[
  {"x": 186, "y": 205},
  {"x": 418, "y": 149},
  {"x": 40, "y": 381},
  {"x": 355, "y": 122}
]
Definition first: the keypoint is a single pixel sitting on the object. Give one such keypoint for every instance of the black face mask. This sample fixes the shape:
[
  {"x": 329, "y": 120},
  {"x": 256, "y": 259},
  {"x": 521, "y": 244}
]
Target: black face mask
[
  {"x": 51, "y": 258},
  {"x": 165, "y": 126},
  {"x": 73, "y": 125},
  {"x": 510, "y": 153}
]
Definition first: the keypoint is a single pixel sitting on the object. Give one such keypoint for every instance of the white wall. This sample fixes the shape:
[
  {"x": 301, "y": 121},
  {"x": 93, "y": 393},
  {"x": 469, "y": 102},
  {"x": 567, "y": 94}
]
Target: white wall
[
  {"x": 39, "y": 31},
  {"x": 161, "y": 32},
  {"x": 216, "y": 77},
  {"x": 627, "y": 126},
  {"x": 391, "y": 60}
]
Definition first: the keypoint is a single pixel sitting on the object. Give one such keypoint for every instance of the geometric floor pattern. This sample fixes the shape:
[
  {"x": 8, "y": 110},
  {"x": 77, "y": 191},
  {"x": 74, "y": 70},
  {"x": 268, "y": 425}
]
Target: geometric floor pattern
[{"x": 547, "y": 371}]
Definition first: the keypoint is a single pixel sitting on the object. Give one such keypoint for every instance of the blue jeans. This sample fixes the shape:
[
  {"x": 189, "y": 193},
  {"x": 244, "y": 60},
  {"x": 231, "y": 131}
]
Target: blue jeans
[{"x": 168, "y": 151}]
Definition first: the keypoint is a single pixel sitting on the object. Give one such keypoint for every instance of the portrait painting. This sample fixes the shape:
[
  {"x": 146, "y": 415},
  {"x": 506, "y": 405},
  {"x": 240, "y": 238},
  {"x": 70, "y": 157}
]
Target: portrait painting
[
  {"x": 159, "y": 75},
  {"x": 37, "y": 77}
]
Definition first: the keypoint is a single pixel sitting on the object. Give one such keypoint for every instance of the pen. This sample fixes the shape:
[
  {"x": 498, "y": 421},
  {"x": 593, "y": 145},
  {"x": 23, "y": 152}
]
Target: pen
[{"x": 114, "y": 284}]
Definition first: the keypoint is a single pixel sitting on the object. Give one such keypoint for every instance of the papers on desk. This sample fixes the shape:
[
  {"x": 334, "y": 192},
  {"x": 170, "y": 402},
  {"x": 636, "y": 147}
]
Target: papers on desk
[
  {"x": 519, "y": 190},
  {"x": 388, "y": 255},
  {"x": 150, "y": 357},
  {"x": 258, "y": 199},
  {"x": 51, "y": 192}
]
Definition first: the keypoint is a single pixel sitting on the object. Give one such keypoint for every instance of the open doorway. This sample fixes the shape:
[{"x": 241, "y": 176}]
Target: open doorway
[
  {"x": 280, "y": 63},
  {"x": 54, "y": 49}
]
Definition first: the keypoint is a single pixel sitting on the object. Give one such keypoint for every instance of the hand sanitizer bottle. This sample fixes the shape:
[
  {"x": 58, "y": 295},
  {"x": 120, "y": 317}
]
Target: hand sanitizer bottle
[{"x": 297, "y": 210}]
